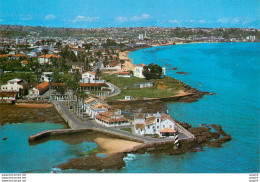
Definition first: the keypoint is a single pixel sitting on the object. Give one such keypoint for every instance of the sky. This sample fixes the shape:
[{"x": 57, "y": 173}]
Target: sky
[{"x": 131, "y": 13}]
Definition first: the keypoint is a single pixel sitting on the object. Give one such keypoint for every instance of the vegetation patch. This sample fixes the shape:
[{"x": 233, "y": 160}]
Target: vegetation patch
[{"x": 165, "y": 87}]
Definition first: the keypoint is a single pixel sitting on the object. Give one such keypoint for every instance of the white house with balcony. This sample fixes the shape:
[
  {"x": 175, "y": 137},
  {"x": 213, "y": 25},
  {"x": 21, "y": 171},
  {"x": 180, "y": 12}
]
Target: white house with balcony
[
  {"x": 150, "y": 124},
  {"x": 14, "y": 85},
  {"x": 91, "y": 77}
]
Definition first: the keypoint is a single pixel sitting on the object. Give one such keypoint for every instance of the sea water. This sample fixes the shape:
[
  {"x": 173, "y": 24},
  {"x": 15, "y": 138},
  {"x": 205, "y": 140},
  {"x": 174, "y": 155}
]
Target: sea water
[
  {"x": 16, "y": 155},
  {"x": 232, "y": 71}
]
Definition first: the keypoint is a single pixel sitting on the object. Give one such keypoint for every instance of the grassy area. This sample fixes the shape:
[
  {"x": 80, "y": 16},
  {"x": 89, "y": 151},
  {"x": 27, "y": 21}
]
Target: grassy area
[
  {"x": 122, "y": 82},
  {"x": 165, "y": 87},
  {"x": 127, "y": 129}
]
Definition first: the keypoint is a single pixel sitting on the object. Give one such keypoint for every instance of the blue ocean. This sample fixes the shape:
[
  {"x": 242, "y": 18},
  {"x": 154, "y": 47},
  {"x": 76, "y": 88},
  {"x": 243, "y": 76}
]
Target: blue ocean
[{"x": 231, "y": 70}]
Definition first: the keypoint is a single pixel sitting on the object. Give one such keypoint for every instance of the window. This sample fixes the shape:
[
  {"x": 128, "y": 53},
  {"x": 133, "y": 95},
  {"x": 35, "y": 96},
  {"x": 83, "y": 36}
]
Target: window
[
  {"x": 158, "y": 120},
  {"x": 157, "y": 127},
  {"x": 163, "y": 126},
  {"x": 148, "y": 127},
  {"x": 170, "y": 126},
  {"x": 153, "y": 127}
]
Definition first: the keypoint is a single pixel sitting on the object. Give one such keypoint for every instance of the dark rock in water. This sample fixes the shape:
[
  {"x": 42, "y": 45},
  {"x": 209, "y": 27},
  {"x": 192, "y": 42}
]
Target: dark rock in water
[
  {"x": 182, "y": 73},
  {"x": 4, "y": 138},
  {"x": 114, "y": 161},
  {"x": 198, "y": 149}
]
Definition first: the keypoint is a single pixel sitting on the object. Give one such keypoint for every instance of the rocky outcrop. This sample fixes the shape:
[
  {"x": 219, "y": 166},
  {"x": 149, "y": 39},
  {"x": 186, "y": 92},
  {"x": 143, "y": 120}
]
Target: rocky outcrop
[
  {"x": 114, "y": 161},
  {"x": 204, "y": 135}
]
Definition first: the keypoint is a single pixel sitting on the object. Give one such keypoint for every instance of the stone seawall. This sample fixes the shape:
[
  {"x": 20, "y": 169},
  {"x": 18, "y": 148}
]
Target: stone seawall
[{"x": 48, "y": 133}]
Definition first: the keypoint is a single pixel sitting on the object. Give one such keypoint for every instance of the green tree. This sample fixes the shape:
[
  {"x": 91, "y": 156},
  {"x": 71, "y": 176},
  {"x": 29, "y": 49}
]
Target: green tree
[{"x": 152, "y": 71}]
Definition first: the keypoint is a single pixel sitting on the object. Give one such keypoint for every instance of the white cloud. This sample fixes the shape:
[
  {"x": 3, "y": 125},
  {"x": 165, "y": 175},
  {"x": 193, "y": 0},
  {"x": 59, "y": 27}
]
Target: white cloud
[
  {"x": 174, "y": 21},
  {"x": 235, "y": 20},
  {"x": 26, "y": 17},
  {"x": 191, "y": 21},
  {"x": 247, "y": 22},
  {"x": 50, "y": 17},
  {"x": 139, "y": 18},
  {"x": 202, "y": 21},
  {"x": 85, "y": 19},
  {"x": 121, "y": 19},
  {"x": 223, "y": 20}
]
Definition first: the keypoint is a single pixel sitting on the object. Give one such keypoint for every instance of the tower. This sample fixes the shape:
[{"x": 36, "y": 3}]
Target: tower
[{"x": 158, "y": 119}]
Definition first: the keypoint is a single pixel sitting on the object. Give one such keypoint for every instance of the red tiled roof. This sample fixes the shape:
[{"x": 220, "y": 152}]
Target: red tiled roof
[
  {"x": 140, "y": 115},
  {"x": 142, "y": 64},
  {"x": 4, "y": 55},
  {"x": 93, "y": 85},
  {"x": 18, "y": 55},
  {"x": 165, "y": 116},
  {"x": 24, "y": 62},
  {"x": 139, "y": 126},
  {"x": 167, "y": 130},
  {"x": 58, "y": 84},
  {"x": 150, "y": 120},
  {"x": 42, "y": 85},
  {"x": 8, "y": 94},
  {"x": 106, "y": 116},
  {"x": 49, "y": 56},
  {"x": 92, "y": 73}
]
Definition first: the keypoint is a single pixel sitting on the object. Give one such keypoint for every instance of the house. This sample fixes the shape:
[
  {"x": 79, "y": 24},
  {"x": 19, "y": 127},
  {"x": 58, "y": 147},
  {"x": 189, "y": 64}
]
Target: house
[
  {"x": 93, "y": 86},
  {"x": 150, "y": 124},
  {"x": 112, "y": 118},
  {"x": 39, "y": 89},
  {"x": 143, "y": 85},
  {"x": 47, "y": 58},
  {"x": 91, "y": 77},
  {"x": 138, "y": 70},
  {"x": 76, "y": 67},
  {"x": 93, "y": 106},
  {"x": 46, "y": 76},
  {"x": 114, "y": 65},
  {"x": 15, "y": 85},
  {"x": 8, "y": 97},
  {"x": 125, "y": 74}
]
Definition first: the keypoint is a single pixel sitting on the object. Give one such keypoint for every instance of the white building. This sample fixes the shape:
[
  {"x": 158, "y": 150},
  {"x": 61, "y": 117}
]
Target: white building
[
  {"x": 138, "y": 70},
  {"x": 126, "y": 74},
  {"x": 91, "y": 77},
  {"x": 112, "y": 118},
  {"x": 93, "y": 107},
  {"x": 47, "y": 58},
  {"x": 46, "y": 76},
  {"x": 14, "y": 85},
  {"x": 160, "y": 124}
]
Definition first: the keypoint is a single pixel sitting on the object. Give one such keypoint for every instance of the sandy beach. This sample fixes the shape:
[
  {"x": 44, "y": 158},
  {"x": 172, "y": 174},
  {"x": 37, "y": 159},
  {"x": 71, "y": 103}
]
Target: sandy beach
[
  {"x": 128, "y": 65},
  {"x": 112, "y": 145}
]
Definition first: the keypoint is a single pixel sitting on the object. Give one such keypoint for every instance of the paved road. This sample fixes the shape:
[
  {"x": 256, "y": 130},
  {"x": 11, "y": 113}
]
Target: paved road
[{"x": 90, "y": 123}]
